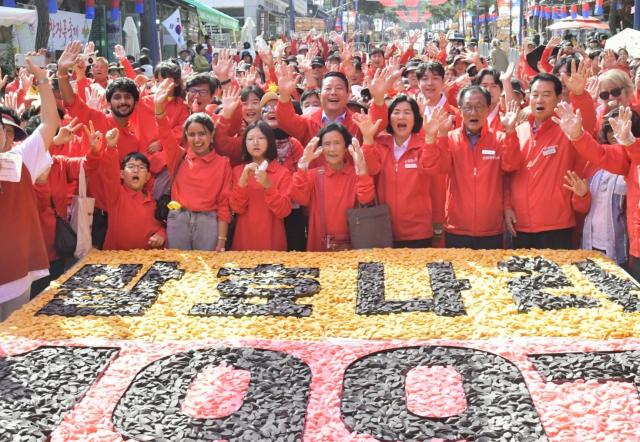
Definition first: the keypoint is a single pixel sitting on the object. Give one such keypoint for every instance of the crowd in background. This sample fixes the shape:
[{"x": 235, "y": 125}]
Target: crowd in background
[{"x": 269, "y": 146}]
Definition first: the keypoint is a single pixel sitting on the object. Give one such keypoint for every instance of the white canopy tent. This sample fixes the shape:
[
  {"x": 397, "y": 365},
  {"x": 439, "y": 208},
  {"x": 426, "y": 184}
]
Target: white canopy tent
[
  {"x": 18, "y": 16},
  {"x": 24, "y": 23}
]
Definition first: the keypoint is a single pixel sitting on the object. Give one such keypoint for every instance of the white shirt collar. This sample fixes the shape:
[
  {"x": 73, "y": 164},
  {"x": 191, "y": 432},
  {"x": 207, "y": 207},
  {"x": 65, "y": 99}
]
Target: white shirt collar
[{"x": 429, "y": 109}]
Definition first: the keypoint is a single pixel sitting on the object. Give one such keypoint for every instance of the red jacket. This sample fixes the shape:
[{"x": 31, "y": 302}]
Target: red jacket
[
  {"x": 132, "y": 218},
  {"x": 621, "y": 161},
  {"x": 540, "y": 201},
  {"x": 474, "y": 201},
  {"x": 340, "y": 190},
  {"x": 405, "y": 185},
  {"x": 199, "y": 184},
  {"x": 261, "y": 212},
  {"x": 305, "y": 127}
]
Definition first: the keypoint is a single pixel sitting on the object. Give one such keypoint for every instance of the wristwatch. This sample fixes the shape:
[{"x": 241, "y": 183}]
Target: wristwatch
[{"x": 41, "y": 81}]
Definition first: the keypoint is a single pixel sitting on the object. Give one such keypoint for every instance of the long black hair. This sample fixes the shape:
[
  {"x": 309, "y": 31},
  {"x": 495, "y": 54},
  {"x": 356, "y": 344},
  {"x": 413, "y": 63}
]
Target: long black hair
[
  {"x": 272, "y": 151},
  {"x": 201, "y": 118}
]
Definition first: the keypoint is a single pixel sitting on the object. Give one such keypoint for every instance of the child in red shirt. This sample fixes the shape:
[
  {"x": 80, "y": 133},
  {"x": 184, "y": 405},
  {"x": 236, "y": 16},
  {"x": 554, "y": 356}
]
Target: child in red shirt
[
  {"x": 260, "y": 194},
  {"x": 131, "y": 208}
]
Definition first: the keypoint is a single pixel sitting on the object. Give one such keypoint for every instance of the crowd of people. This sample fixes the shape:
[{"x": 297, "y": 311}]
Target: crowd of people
[{"x": 263, "y": 149}]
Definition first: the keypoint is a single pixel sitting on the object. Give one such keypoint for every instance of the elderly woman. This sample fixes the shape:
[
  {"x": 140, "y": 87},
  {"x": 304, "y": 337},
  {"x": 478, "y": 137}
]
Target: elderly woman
[
  {"x": 201, "y": 181},
  {"x": 394, "y": 157},
  {"x": 330, "y": 190}
]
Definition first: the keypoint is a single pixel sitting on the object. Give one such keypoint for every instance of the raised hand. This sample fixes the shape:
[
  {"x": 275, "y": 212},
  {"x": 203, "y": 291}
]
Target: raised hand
[
  {"x": 593, "y": 86},
  {"x": 554, "y": 42},
  {"x": 287, "y": 81},
  {"x": 163, "y": 92},
  {"x": 358, "y": 157},
  {"x": 379, "y": 85},
  {"x": 26, "y": 79},
  {"x": 225, "y": 64},
  {"x": 569, "y": 122},
  {"x": 413, "y": 38},
  {"x": 94, "y": 137},
  {"x": 574, "y": 183},
  {"x": 112, "y": 137},
  {"x": 310, "y": 153},
  {"x": 187, "y": 71},
  {"x": 622, "y": 127},
  {"x": 510, "y": 117},
  {"x": 368, "y": 128},
  {"x": 69, "y": 57},
  {"x": 230, "y": 101},
  {"x": 119, "y": 52},
  {"x": 577, "y": 82},
  {"x": 609, "y": 60},
  {"x": 422, "y": 103},
  {"x": 10, "y": 100},
  {"x": 433, "y": 123},
  {"x": 95, "y": 97},
  {"x": 508, "y": 74},
  {"x": 66, "y": 133}
]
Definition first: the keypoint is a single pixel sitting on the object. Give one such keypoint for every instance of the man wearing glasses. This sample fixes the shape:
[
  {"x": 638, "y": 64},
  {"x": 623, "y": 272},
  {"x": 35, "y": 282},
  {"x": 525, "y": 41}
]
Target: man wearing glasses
[{"x": 474, "y": 158}]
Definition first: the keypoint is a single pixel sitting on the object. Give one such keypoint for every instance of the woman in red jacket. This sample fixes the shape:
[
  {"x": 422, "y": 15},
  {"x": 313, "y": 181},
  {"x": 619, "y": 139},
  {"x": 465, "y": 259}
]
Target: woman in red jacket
[
  {"x": 403, "y": 183},
  {"x": 330, "y": 190},
  {"x": 260, "y": 194}
]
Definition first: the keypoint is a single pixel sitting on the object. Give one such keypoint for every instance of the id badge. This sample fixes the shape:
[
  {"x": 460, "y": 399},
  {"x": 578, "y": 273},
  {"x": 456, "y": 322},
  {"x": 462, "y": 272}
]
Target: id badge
[
  {"x": 10, "y": 167},
  {"x": 551, "y": 150}
]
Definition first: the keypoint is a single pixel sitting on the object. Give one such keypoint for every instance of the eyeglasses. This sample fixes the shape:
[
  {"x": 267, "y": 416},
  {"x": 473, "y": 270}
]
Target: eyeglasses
[
  {"x": 268, "y": 109},
  {"x": 199, "y": 92},
  {"x": 133, "y": 167},
  {"x": 468, "y": 109},
  {"x": 615, "y": 92}
]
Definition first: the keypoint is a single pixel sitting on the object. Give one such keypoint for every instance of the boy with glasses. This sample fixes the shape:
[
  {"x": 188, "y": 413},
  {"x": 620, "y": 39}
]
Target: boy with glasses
[{"x": 121, "y": 189}]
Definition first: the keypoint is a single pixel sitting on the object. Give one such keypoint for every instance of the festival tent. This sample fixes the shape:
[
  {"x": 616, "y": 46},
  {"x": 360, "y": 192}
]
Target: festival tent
[
  {"x": 17, "y": 16},
  {"x": 628, "y": 39},
  {"x": 578, "y": 23}
]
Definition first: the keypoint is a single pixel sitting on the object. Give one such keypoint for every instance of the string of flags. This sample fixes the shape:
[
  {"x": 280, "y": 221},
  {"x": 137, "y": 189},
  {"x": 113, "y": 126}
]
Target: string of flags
[{"x": 558, "y": 12}]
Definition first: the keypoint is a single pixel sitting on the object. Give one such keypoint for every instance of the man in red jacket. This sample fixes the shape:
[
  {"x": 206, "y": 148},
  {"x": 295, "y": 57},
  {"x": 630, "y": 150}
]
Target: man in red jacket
[
  {"x": 474, "y": 157},
  {"x": 334, "y": 97},
  {"x": 544, "y": 208}
]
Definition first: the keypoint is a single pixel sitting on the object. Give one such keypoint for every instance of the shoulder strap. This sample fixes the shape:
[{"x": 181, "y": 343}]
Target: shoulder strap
[
  {"x": 320, "y": 202},
  {"x": 82, "y": 181}
]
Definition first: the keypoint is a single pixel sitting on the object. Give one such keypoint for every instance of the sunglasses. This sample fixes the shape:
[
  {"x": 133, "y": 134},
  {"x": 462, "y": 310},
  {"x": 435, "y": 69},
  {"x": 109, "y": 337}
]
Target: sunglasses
[{"x": 615, "y": 92}]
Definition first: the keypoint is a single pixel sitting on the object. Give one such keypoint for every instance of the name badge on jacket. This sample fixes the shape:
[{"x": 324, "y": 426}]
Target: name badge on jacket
[
  {"x": 549, "y": 151},
  {"x": 411, "y": 163}
]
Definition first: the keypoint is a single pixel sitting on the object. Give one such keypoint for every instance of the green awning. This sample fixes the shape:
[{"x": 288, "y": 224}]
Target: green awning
[{"x": 214, "y": 17}]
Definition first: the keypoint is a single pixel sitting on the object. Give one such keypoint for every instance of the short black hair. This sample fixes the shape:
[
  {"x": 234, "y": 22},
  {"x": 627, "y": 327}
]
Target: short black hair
[
  {"x": 206, "y": 79},
  {"x": 32, "y": 124},
  {"x": 376, "y": 51},
  {"x": 471, "y": 89},
  {"x": 335, "y": 127},
  {"x": 122, "y": 85},
  {"x": 339, "y": 75},
  {"x": 434, "y": 67},
  {"x": 544, "y": 76},
  {"x": 417, "y": 117},
  {"x": 272, "y": 150},
  {"x": 255, "y": 90},
  {"x": 135, "y": 156},
  {"x": 491, "y": 72},
  {"x": 309, "y": 93},
  {"x": 168, "y": 69},
  {"x": 566, "y": 61}
]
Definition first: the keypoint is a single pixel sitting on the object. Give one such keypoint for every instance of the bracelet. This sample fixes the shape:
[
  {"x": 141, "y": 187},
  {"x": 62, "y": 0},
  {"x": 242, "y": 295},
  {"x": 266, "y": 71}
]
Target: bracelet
[
  {"x": 63, "y": 75},
  {"x": 222, "y": 238},
  {"x": 227, "y": 81},
  {"x": 41, "y": 81}
]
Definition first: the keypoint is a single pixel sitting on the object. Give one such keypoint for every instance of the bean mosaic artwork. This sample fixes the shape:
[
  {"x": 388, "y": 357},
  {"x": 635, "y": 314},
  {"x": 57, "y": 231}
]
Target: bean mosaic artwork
[{"x": 378, "y": 345}]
